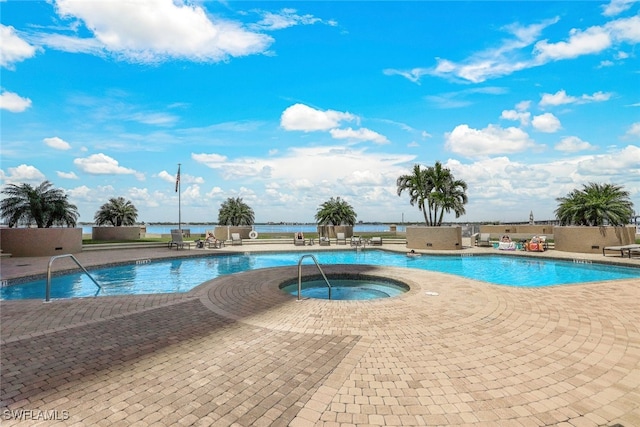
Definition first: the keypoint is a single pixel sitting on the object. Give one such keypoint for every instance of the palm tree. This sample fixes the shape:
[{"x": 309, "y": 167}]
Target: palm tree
[
  {"x": 418, "y": 186},
  {"x": 117, "y": 212},
  {"x": 44, "y": 205},
  {"x": 235, "y": 212},
  {"x": 336, "y": 211},
  {"x": 435, "y": 191},
  {"x": 595, "y": 205}
]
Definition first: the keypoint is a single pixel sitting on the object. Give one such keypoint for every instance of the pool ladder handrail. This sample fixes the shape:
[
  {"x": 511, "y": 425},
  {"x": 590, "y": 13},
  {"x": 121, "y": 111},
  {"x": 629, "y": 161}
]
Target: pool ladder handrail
[
  {"x": 315, "y": 260},
  {"x": 47, "y": 297}
]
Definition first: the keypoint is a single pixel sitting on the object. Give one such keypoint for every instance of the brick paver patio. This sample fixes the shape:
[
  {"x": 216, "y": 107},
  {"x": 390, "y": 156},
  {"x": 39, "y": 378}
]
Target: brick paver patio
[{"x": 237, "y": 351}]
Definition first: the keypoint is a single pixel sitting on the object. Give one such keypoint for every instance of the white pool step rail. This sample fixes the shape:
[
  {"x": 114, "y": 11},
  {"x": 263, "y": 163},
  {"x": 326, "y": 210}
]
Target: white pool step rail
[
  {"x": 47, "y": 297},
  {"x": 315, "y": 260}
]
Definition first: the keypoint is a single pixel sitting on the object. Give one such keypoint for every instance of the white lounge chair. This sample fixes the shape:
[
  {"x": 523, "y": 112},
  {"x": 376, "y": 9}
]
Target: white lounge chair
[
  {"x": 341, "y": 239},
  {"x": 236, "y": 239},
  {"x": 376, "y": 241},
  {"x": 483, "y": 239}
]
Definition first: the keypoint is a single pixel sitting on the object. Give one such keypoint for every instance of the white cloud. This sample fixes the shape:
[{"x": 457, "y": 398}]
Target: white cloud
[
  {"x": 523, "y": 116},
  {"x": 616, "y": 7},
  {"x": 592, "y": 40},
  {"x": 184, "y": 178},
  {"x": 511, "y": 55},
  {"x": 490, "y": 63},
  {"x": 13, "y": 102},
  {"x": 67, "y": 175},
  {"x": 24, "y": 173},
  {"x": 101, "y": 164},
  {"x": 546, "y": 122},
  {"x": 13, "y": 49},
  {"x": 561, "y": 98},
  {"x": 361, "y": 134},
  {"x": 492, "y": 140},
  {"x": 211, "y": 160},
  {"x": 633, "y": 132},
  {"x": 625, "y": 162},
  {"x": 156, "y": 30},
  {"x": 304, "y": 118},
  {"x": 626, "y": 29},
  {"x": 413, "y": 75},
  {"x": 57, "y": 143},
  {"x": 572, "y": 144},
  {"x": 286, "y": 18}
]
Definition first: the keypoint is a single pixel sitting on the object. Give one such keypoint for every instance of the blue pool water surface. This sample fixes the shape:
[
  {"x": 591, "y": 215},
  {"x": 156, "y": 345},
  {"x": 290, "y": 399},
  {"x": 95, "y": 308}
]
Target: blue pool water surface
[
  {"x": 182, "y": 275},
  {"x": 346, "y": 289}
]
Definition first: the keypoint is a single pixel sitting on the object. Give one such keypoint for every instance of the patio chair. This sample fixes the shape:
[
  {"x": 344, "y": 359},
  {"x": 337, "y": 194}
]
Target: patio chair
[
  {"x": 356, "y": 241},
  {"x": 324, "y": 241},
  {"x": 483, "y": 239},
  {"x": 236, "y": 239},
  {"x": 376, "y": 241},
  {"x": 176, "y": 239},
  {"x": 340, "y": 239},
  {"x": 298, "y": 239}
]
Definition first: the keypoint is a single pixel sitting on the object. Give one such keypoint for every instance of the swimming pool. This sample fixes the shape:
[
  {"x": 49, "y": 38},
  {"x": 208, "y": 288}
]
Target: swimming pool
[{"x": 182, "y": 275}]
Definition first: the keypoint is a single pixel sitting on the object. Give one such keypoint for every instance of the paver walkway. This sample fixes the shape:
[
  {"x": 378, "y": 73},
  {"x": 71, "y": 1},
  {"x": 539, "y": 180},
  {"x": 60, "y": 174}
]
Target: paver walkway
[{"x": 237, "y": 351}]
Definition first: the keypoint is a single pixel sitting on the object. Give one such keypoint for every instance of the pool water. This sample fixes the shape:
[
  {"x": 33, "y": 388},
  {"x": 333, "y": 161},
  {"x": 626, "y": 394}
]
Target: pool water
[
  {"x": 182, "y": 275},
  {"x": 346, "y": 289}
]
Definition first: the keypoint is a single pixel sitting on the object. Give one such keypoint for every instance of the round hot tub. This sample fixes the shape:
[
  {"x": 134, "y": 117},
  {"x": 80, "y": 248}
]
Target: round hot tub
[{"x": 345, "y": 287}]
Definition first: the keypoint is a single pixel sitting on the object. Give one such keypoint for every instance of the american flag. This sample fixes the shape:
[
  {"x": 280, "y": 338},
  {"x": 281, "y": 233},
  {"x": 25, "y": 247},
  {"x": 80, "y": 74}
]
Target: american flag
[{"x": 178, "y": 179}]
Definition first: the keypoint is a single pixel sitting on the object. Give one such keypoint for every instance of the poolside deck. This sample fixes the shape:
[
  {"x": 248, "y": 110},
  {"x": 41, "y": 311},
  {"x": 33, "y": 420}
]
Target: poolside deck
[{"x": 235, "y": 351}]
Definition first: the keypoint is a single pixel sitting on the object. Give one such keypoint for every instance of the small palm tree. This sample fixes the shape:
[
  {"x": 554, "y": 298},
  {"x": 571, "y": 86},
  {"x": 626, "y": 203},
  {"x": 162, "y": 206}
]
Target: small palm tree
[
  {"x": 595, "y": 205},
  {"x": 235, "y": 212},
  {"x": 336, "y": 211},
  {"x": 117, "y": 212},
  {"x": 44, "y": 205}
]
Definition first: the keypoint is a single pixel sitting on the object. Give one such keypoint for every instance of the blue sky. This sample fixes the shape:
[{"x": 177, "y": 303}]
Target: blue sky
[{"x": 287, "y": 104}]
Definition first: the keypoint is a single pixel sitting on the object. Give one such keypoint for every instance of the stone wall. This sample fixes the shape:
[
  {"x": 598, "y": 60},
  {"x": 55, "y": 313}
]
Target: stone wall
[
  {"x": 27, "y": 242},
  {"x": 499, "y": 230},
  {"x": 331, "y": 230},
  {"x": 223, "y": 232},
  {"x": 116, "y": 233},
  {"x": 437, "y": 238},
  {"x": 592, "y": 239}
]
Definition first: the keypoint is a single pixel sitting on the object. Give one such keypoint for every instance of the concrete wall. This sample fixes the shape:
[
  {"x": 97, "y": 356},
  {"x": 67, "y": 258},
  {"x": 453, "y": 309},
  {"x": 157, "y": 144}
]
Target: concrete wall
[
  {"x": 592, "y": 239},
  {"x": 222, "y": 232},
  {"x": 26, "y": 242},
  {"x": 499, "y": 230},
  {"x": 331, "y": 230},
  {"x": 116, "y": 233},
  {"x": 437, "y": 238}
]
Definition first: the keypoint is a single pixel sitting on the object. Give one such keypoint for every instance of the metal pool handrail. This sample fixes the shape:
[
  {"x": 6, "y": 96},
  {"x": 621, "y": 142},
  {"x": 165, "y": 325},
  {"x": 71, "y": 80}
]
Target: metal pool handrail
[
  {"x": 47, "y": 297},
  {"x": 319, "y": 269}
]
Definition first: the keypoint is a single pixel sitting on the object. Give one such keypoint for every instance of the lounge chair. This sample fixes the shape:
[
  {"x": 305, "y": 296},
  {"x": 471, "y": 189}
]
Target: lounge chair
[
  {"x": 483, "y": 239},
  {"x": 324, "y": 241},
  {"x": 356, "y": 241},
  {"x": 298, "y": 239},
  {"x": 236, "y": 239},
  {"x": 376, "y": 241},
  {"x": 623, "y": 248},
  {"x": 340, "y": 239},
  {"x": 176, "y": 239}
]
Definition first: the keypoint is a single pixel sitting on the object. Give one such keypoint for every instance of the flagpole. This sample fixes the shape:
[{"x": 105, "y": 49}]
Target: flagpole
[{"x": 179, "y": 201}]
